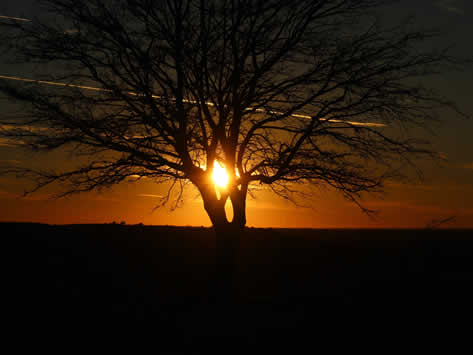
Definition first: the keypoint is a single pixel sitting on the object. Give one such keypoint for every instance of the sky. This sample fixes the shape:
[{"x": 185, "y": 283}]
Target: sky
[{"x": 445, "y": 191}]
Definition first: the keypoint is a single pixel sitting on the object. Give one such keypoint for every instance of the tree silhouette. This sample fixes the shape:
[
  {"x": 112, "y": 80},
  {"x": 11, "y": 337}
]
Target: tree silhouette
[{"x": 277, "y": 92}]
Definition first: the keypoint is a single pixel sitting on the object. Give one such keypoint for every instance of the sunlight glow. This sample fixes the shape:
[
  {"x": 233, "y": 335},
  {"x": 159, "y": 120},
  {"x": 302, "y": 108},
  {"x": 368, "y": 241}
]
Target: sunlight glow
[{"x": 219, "y": 175}]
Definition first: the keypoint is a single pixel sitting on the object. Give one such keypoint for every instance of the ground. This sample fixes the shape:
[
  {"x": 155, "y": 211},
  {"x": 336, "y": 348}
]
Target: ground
[{"x": 122, "y": 284}]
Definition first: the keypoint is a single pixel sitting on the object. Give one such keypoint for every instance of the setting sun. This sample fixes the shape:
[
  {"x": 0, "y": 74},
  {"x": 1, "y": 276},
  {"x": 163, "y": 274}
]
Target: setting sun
[{"x": 219, "y": 175}]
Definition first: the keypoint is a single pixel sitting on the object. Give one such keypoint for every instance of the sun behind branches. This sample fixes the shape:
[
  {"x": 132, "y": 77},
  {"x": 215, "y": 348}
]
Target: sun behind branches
[{"x": 219, "y": 175}]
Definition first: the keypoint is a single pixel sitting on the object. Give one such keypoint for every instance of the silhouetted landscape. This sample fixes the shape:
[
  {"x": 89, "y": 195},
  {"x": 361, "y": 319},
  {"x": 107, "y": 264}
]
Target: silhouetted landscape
[
  {"x": 351, "y": 107},
  {"x": 77, "y": 283}
]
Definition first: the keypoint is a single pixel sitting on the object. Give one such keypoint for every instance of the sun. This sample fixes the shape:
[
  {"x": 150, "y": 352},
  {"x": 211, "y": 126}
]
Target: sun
[{"x": 219, "y": 175}]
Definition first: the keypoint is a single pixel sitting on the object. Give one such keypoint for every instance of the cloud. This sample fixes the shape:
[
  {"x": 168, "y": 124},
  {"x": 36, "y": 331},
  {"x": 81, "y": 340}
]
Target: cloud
[
  {"x": 14, "y": 18},
  {"x": 443, "y": 155},
  {"x": 71, "y": 31},
  {"x": 468, "y": 166},
  {"x": 21, "y": 128},
  {"x": 451, "y": 6},
  {"x": 8, "y": 142},
  {"x": 11, "y": 142},
  {"x": 150, "y": 195},
  {"x": 10, "y": 135}
]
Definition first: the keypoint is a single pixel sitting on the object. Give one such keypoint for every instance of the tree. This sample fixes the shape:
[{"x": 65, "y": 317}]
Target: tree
[{"x": 277, "y": 92}]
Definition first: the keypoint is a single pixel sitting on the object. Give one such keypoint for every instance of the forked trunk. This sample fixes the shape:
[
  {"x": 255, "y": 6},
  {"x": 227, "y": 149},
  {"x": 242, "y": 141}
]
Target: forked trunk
[{"x": 228, "y": 235}]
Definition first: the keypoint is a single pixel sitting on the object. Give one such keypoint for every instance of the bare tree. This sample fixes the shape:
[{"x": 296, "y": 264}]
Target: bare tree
[{"x": 277, "y": 92}]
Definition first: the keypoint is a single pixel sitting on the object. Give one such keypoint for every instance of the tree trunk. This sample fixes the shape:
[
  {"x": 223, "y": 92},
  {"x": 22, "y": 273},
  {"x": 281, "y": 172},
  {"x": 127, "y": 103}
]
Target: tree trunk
[{"x": 228, "y": 235}]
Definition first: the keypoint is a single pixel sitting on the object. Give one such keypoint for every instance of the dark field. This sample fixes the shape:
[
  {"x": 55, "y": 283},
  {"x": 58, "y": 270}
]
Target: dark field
[{"x": 140, "y": 285}]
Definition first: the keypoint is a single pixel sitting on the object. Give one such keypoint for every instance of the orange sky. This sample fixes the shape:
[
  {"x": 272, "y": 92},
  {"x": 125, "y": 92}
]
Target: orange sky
[{"x": 403, "y": 206}]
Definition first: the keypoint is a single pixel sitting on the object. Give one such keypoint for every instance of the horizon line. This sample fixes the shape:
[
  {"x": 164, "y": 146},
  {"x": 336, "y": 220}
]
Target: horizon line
[{"x": 246, "y": 227}]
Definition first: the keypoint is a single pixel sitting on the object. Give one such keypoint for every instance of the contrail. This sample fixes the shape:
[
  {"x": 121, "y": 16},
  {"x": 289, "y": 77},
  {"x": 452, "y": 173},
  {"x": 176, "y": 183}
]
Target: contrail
[
  {"x": 14, "y": 18},
  {"x": 54, "y": 83},
  {"x": 363, "y": 124}
]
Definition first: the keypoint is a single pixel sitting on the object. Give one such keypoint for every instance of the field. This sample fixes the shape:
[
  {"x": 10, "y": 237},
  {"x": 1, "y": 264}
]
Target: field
[{"x": 121, "y": 284}]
